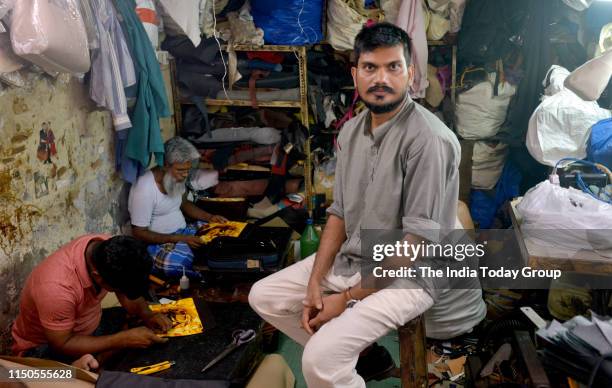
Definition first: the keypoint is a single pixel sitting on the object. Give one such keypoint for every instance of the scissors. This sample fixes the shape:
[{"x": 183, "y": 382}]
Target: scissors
[{"x": 239, "y": 337}]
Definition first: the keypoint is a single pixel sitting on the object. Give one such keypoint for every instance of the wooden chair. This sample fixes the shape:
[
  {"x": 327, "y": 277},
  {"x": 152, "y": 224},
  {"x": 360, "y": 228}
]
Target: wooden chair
[{"x": 412, "y": 340}]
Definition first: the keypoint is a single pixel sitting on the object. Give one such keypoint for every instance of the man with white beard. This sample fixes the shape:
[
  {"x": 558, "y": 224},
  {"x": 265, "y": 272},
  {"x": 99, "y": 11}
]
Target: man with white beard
[{"x": 158, "y": 208}]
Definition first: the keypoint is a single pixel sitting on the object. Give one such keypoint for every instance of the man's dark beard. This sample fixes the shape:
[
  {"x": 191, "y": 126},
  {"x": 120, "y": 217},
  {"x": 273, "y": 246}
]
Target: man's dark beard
[{"x": 386, "y": 108}]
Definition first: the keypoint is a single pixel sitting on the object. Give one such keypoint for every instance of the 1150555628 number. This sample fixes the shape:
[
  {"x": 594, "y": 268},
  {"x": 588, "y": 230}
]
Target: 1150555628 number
[{"x": 48, "y": 374}]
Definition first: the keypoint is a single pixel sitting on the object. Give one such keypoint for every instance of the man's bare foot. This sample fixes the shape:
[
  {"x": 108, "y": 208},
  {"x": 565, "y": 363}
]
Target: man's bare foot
[{"x": 87, "y": 362}]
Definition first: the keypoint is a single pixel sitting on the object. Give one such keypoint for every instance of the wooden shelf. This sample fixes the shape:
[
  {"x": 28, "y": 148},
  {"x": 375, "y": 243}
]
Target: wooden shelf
[
  {"x": 301, "y": 104},
  {"x": 262, "y": 104},
  {"x": 247, "y": 47}
]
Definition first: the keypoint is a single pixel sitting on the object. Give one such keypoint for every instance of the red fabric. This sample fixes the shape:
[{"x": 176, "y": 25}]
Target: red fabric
[
  {"x": 255, "y": 75},
  {"x": 268, "y": 56},
  {"x": 282, "y": 169},
  {"x": 350, "y": 113},
  {"x": 58, "y": 295}
]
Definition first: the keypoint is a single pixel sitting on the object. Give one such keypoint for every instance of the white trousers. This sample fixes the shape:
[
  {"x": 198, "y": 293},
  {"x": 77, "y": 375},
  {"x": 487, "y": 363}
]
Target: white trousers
[{"x": 330, "y": 355}]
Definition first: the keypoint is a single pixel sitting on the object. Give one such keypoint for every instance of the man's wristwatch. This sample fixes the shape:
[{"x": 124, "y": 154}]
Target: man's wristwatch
[{"x": 350, "y": 301}]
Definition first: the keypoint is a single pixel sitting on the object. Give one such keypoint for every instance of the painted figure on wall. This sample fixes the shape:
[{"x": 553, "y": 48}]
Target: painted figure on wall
[
  {"x": 46, "y": 147},
  {"x": 41, "y": 185}
]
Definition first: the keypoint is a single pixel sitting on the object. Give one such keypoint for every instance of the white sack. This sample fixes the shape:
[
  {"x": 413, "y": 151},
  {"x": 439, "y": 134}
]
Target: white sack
[
  {"x": 479, "y": 114},
  {"x": 560, "y": 127},
  {"x": 50, "y": 34}
]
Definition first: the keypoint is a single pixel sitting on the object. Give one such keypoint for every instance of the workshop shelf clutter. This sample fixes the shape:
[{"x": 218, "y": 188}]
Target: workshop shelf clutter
[{"x": 244, "y": 191}]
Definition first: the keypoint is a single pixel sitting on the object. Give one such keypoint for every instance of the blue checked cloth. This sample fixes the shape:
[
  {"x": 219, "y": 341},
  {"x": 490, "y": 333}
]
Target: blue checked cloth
[{"x": 169, "y": 258}]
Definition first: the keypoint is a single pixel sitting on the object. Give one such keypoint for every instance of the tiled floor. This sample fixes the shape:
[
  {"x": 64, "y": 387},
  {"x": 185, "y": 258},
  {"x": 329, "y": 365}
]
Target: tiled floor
[{"x": 292, "y": 352}]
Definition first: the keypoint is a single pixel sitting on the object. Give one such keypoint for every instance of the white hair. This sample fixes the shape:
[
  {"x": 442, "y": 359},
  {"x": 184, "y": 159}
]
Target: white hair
[{"x": 179, "y": 150}]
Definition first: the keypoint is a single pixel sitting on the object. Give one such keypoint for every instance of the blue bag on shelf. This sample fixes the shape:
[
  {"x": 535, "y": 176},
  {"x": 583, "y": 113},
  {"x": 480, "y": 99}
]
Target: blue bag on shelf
[
  {"x": 599, "y": 148},
  {"x": 289, "y": 22},
  {"x": 484, "y": 206}
]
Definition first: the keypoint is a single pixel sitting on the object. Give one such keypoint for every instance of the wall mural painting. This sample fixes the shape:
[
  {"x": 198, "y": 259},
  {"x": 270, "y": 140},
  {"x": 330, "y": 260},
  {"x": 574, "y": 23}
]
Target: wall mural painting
[
  {"x": 46, "y": 146},
  {"x": 41, "y": 185}
]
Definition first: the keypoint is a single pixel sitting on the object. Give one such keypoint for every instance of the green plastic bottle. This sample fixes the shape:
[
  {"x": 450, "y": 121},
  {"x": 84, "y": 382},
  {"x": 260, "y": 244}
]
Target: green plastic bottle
[{"x": 309, "y": 242}]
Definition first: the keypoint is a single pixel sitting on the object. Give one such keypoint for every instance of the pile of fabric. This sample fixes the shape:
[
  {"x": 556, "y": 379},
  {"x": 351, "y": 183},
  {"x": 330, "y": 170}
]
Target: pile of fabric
[
  {"x": 256, "y": 161},
  {"x": 421, "y": 19}
]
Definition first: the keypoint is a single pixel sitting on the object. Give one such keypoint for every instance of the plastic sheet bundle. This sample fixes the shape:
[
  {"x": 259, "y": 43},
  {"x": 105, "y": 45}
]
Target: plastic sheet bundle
[
  {"x": 50, "y": 34},
  {"x": 289, "y": 22}
]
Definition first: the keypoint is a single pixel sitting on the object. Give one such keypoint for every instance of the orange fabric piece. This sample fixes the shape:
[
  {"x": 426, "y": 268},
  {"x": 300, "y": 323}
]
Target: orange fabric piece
[{"x": 147, "y": 15}]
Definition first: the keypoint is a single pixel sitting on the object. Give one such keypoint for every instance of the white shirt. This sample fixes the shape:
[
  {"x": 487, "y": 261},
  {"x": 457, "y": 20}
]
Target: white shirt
[{"x": 152, "y": 209}]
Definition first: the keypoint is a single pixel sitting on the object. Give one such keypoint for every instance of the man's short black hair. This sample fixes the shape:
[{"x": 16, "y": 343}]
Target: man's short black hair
[
  {"x": 124, "y": 264},
  {"x": 381, "y": 35}
]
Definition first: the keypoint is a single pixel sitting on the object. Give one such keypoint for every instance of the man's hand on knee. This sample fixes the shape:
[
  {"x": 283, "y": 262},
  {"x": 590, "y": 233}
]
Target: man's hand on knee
[
  {"x": 313, "y": 303},
  {"x": 333, "y": 306}
]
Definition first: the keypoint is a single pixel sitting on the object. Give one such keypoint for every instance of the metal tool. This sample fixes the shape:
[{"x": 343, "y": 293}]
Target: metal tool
[
  {"x": 239, "y": 337},
  {"x": 150, "y": 369}
]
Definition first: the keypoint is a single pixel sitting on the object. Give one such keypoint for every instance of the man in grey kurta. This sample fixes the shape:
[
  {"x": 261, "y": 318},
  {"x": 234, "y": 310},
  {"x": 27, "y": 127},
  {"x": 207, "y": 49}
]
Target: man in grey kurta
[{"x": 397, "y": 168}]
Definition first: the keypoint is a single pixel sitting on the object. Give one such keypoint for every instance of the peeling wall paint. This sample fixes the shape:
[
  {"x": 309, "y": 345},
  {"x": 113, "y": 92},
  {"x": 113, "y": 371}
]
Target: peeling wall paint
[{"x": 46, "y": 203}]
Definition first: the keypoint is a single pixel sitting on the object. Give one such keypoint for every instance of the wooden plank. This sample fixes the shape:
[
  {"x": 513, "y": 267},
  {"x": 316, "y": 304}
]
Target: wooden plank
[
  {"x": 178, "y": 114},
  {"x": 264, "y": 104},
  {"x": 280, "y": 48},
  {"x": 465, "y": 170},
  {"x": 528, "y": 354},
  {"x": 454, "y": 83},
  {"x": 413, "y": 360}
]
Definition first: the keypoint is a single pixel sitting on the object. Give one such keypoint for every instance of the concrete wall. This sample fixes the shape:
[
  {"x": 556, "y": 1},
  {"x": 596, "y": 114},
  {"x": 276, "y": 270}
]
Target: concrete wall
[{"x": 46, "y": 203}]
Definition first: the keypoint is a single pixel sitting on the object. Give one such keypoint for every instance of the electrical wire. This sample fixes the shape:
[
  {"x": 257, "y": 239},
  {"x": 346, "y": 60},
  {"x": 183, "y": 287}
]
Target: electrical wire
[
  {"x": 579, "y": 181},
  {"x": 214, "y": 14},
  {"x": 302, "y": 32}
]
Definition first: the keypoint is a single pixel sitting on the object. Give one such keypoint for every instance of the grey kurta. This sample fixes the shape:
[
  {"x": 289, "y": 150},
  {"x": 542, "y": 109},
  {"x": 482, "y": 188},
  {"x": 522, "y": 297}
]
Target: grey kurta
[{"x": 404, "y": 175}]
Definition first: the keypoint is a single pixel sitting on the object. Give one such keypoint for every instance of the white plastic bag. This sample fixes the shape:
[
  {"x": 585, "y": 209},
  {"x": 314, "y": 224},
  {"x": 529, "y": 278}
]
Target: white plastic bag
[
  {"x": 560, "y": 127},
  {"x": 553, "y": 82},
  {"x": 182, "y": 17},
  {"x": 566, "y": 218},
  {"x": 480, "y": 114},
  {"x": 51, "y": 34}
]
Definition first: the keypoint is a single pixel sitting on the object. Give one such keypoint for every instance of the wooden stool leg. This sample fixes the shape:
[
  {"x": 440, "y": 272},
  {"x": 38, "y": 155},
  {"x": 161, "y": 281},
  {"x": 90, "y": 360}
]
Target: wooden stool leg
[{"x": 413, "y": 361}]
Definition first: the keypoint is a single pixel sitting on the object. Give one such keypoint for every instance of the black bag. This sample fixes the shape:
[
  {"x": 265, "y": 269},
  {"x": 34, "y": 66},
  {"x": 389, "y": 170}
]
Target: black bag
[
  {"x": 257, "y": 248},
  {"x": 490, "y": 30}
]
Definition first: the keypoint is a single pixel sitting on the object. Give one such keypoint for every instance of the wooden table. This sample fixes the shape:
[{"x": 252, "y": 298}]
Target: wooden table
[{"x": 544, "y": 257}]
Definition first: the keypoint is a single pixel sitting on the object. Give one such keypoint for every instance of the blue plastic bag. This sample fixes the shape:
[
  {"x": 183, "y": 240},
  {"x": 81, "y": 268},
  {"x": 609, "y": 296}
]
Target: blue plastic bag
[
  {"x": 289, "y": 22},
  {"x": 599, "y": 149},
  {"x": 484, "y": 206}
]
